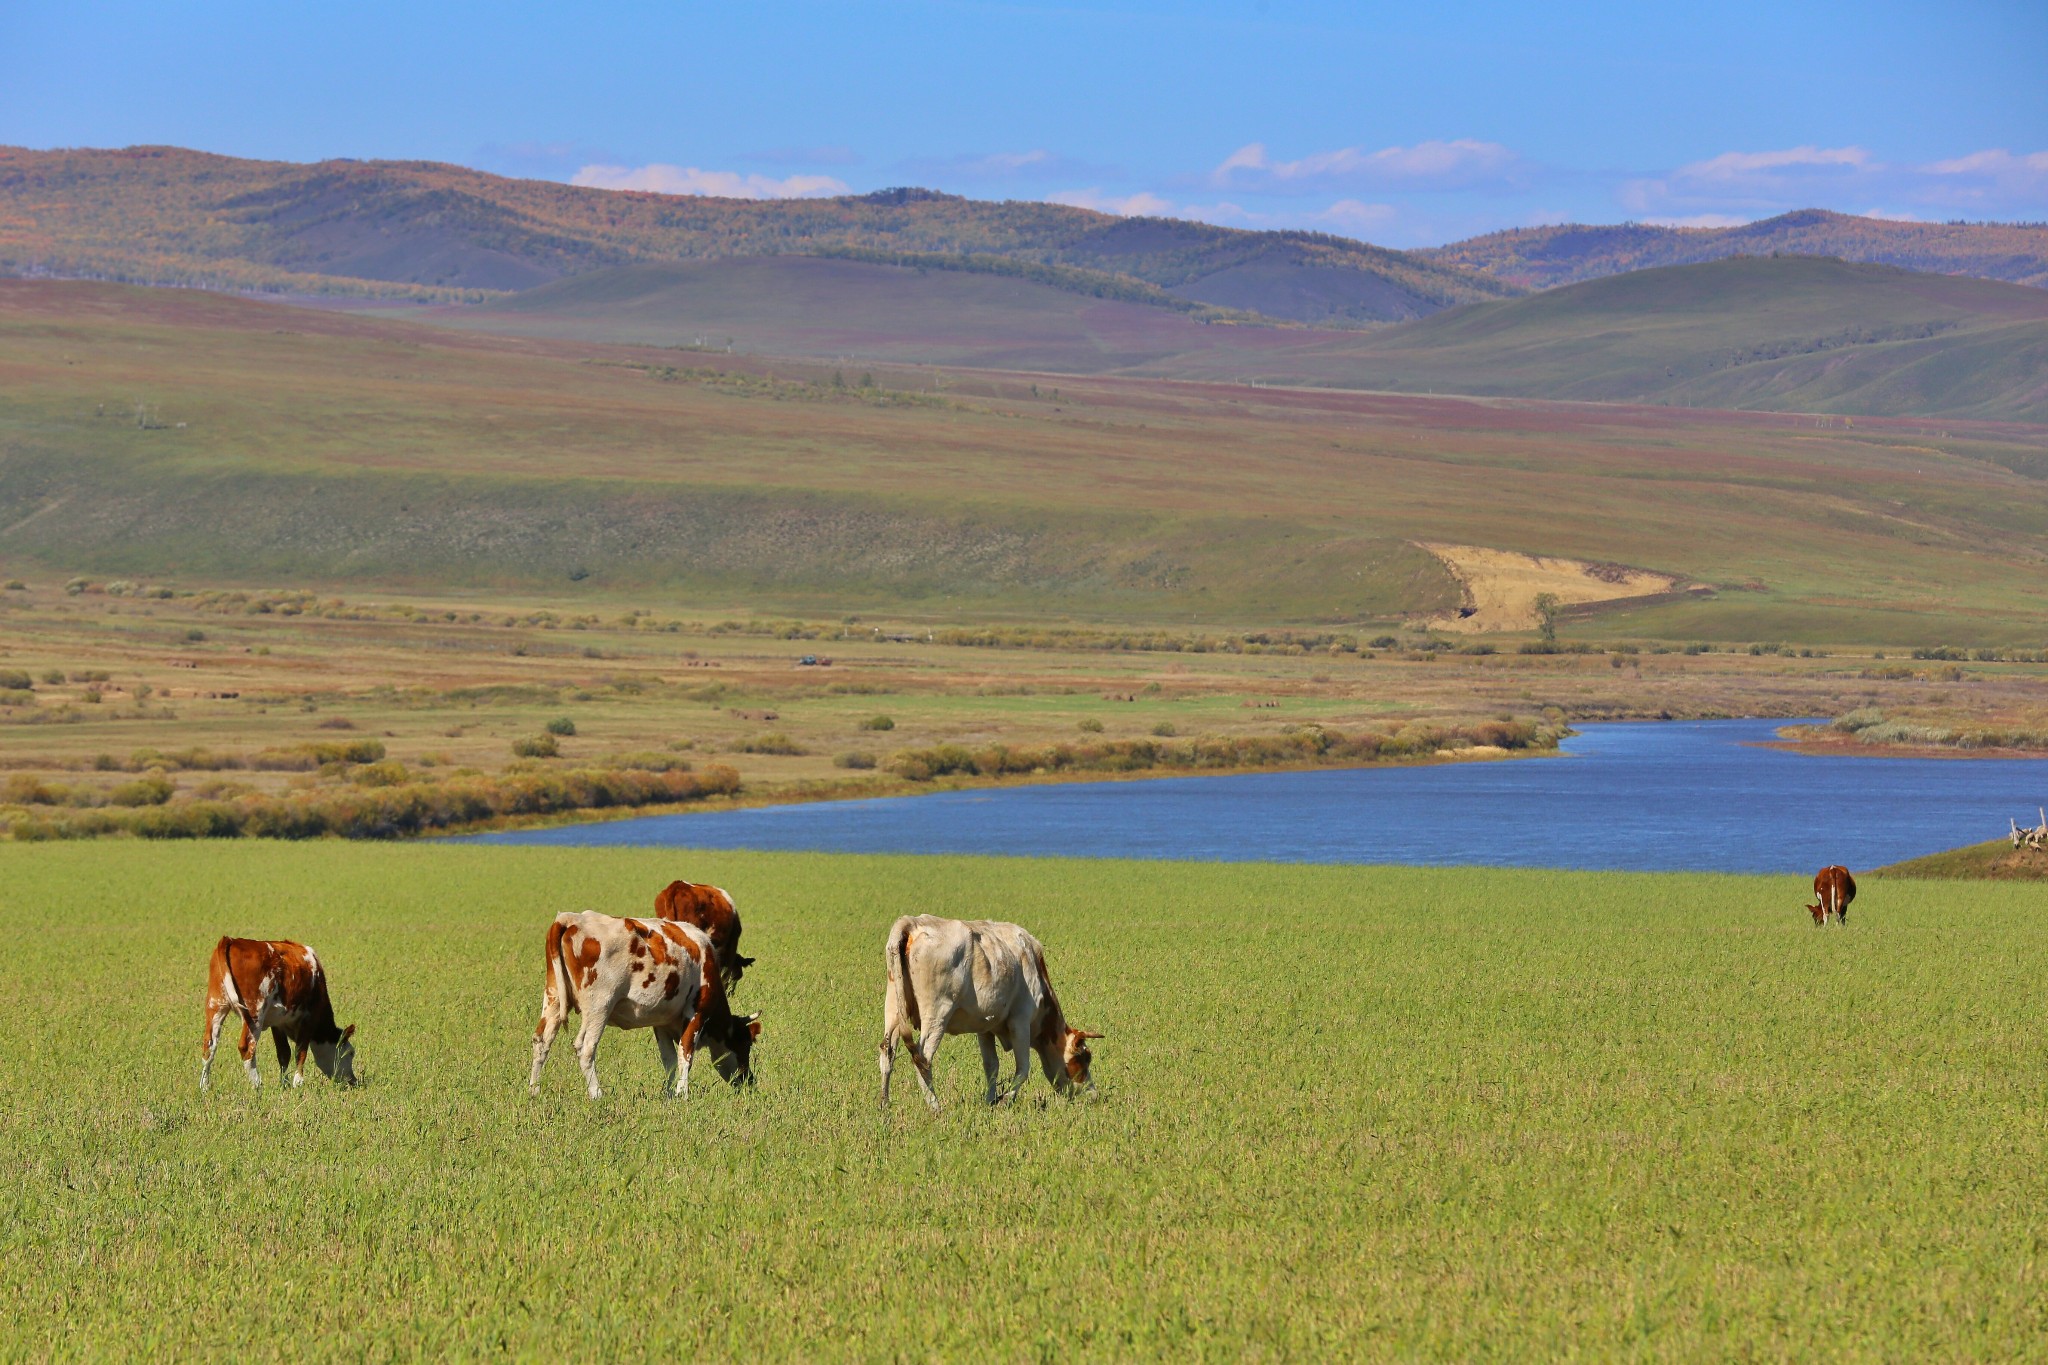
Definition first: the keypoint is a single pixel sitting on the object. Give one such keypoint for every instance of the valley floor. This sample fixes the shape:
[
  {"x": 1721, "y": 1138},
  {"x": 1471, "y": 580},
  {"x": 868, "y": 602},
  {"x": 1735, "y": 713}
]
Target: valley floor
[{"x": 1450, "y": 1113}]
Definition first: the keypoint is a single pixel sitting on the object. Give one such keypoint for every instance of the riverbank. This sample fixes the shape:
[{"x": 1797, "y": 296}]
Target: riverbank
[
  {"x": 1995, "y": 860},
  {"x": 112, "y": 702}
]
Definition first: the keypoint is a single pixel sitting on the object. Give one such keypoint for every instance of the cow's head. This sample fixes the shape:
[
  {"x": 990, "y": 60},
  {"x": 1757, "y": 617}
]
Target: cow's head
[
  {"x": 337, "y": 1060},
  {"x": 732, "y": 1047},
  {"x": 1075, "y": 1055},
  {"x": 1819, "y": 913}
]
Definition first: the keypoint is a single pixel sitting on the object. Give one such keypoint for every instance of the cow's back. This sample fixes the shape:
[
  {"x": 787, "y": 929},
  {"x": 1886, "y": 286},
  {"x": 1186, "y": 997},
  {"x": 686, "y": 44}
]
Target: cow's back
[
  {"x": 985, "y": 967},
  {"x": 710, "y": 908}
]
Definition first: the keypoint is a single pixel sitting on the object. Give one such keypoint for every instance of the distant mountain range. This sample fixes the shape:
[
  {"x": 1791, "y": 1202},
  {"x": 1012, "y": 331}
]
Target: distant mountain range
[
  {"x": 164, "y": 215},
  {"x": 1544, "y": 257}
]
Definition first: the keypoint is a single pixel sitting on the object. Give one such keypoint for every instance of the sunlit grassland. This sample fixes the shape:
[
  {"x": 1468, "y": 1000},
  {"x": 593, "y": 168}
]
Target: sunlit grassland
[{"x": 1354, "y": 1112}]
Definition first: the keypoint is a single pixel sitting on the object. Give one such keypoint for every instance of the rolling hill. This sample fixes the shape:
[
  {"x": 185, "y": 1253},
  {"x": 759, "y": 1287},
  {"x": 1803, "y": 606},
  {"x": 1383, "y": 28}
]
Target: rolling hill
[
  {"x": 1544, "y": 257},
  {"x": 155, "y": 434},
  {"x": 1794, "y": 333},
  {"x": 165, "y": 215}
]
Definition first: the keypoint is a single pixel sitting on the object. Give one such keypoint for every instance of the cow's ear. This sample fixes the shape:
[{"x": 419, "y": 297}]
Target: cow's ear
[
  {"x": 1086, "y": 1034},
  {"x": 753, "y": 1023},
  {"x": 348, "y": 1033},
  {"x": 744, "y": 962}
]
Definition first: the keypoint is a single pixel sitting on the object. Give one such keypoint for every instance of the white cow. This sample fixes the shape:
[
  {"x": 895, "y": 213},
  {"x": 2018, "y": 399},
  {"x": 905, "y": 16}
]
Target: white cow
[
  {"x": 982, "y": 977},
  {"x": 634, "y": 973}
]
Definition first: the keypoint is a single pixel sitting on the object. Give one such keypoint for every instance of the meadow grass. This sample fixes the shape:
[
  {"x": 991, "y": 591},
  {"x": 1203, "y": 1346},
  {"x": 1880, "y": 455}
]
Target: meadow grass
[{"x": 1352, "y": 1112}]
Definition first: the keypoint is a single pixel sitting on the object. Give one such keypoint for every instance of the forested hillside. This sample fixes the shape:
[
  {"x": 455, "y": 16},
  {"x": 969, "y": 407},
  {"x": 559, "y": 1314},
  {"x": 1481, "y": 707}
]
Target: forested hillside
[
  {"x": 1542, "y": 257},
  {"x": 164, "y": 215}
]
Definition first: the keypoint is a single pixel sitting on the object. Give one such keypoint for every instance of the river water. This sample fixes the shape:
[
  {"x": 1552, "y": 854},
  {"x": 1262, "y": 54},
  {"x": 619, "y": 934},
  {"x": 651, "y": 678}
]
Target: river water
[{"x": 1673, "y": 795}]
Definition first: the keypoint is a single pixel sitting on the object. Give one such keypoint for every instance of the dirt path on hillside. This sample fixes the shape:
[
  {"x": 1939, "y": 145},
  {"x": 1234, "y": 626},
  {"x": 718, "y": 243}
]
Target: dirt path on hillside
[{"x": 1501, "y": 586}]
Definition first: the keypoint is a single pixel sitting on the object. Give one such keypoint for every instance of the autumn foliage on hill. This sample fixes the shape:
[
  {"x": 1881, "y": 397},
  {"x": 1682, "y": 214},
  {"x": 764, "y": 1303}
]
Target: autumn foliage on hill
[
  {"x": 165, "y": 215},
  {"x": 1543, "y": 257}
]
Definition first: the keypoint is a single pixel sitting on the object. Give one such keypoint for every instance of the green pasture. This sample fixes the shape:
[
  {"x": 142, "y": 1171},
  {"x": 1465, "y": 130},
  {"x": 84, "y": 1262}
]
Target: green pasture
[{"x": 1350, "y": 1112}]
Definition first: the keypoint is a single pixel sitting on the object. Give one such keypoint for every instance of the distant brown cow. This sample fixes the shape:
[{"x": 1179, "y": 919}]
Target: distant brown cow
[
  {"x": 710, "y": 908},
  {"x": 276, "y": 985},
  {"x": 1833, "y": 889}
]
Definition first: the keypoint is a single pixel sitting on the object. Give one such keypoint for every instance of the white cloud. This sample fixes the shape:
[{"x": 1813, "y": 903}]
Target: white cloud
[
  {"x": 1744, "y": 186},
  {"x": 1356, "y": 216},
  {"x": 1458, "y": 164},
  {"x": 1750, "y": 165},
  {"x": 1144, "y": 204},
  {"x": 1701, "y": 220},
  {"x": 662, "y": 179}
]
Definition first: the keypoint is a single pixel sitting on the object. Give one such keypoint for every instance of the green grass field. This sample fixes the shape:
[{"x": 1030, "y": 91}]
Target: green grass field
[{"x": 1343, "y": 1112}]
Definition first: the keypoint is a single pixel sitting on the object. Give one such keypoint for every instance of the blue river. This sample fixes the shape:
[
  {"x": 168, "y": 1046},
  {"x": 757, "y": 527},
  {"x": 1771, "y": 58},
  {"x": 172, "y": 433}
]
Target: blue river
[{"x": 1673, "y": 796}]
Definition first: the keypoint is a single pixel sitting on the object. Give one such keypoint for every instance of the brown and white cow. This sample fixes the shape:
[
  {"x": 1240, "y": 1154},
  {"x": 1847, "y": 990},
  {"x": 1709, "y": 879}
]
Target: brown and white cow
[
  {"x": 1833, "y": 889},
  {"x": 710, "y": 908},
  {"x": 982, "y": 977},
  {"x": 632, "y": 973},
  {"x": 280, "y": 986}
]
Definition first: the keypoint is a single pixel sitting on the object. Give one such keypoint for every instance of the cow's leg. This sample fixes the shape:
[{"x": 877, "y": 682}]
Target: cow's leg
[
  {"x": 284, "y": 1056},
  {"x": 989, "y": 1064},
  {"x": 586, "y": 1049},
  {"x": 665, "y": 1044},
  {"x": 686, "y": 1053},
  {"x": 551, "y": 1017},
  {"x": 1020, "y": 1048},
  {"x": 888, "y": 1061},
  {"x": 926, "y": 1050},
  {"x": 299, "y": 1066},
  {"x": 251, "y": 1036},
  {"x": 216, "y": 1015}
]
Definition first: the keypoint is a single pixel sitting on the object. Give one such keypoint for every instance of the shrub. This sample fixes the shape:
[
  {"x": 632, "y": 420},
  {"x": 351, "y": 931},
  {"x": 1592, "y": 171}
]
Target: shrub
[
  {"x": 538, "y": 746},
  {"x": 561, "y": 725},
  {"x": 152, "y": 789},
  {"x": 1091, "y": 726},
  {"x": 1165, "y": 729},
  {"x": 91, "y": 675},
  {"x": 195, "y": 636},
  {"x": 774, "y": 742},
  {"x": 854, "y": 760},
  {"x": 14, "y": 680},
  {"x": 16, "y": 585},
  {"x": 1385, "y": 642},
  {"x": 53, "y": 676},
  {"x": 878, "y": 723},
  {"x": 385, "y": 773},
  {"x": 336, "y": 723}
]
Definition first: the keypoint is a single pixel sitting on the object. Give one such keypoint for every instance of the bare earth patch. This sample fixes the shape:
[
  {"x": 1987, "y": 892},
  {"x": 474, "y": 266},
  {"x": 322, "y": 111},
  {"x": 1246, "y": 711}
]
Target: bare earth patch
[{"x": 1501, "y": 586}]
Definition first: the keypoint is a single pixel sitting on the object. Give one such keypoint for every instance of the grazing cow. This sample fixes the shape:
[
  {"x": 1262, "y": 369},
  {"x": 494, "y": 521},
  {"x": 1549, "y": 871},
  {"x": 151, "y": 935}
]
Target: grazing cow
[
  {"x": 278, "y": 986},
  {"x": 710, "y": 908},
  {"x": 981, "y": 977},
  {"x": 1833, "y": 889},
  {"x": 633, "y": 973}
]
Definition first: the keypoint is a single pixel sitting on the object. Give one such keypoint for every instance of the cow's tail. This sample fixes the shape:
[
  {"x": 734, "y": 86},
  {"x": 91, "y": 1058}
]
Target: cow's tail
[
  {"x": 558, "y": 994},
  {"x": 898, "y": 958}
]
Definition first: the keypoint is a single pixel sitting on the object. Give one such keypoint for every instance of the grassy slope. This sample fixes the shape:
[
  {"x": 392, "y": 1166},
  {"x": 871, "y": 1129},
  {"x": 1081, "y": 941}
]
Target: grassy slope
[
  {"x": 1789, "y": 334},
  {"x": 1993, "y": 860},
  {"x": 1495, "y": 1117},
  {"x": 327, "y": 448},
  {"x": 1544, "y": 257},
  {"x": 810, "y": 306}
]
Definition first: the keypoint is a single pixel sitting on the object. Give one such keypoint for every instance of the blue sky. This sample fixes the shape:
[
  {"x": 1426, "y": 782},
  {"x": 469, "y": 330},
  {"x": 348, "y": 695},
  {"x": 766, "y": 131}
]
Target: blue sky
[{"x": 1406, "y": 125}]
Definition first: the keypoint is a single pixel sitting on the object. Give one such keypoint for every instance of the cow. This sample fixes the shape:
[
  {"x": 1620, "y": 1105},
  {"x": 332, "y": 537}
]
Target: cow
[
  {"x": 632, "y": 973},
  {"x": 710, "y": 908},
  {"x": 280, "y": 986},
  {"x": 1833, "y": 889},
  {"x": 982, "y": 977}
]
